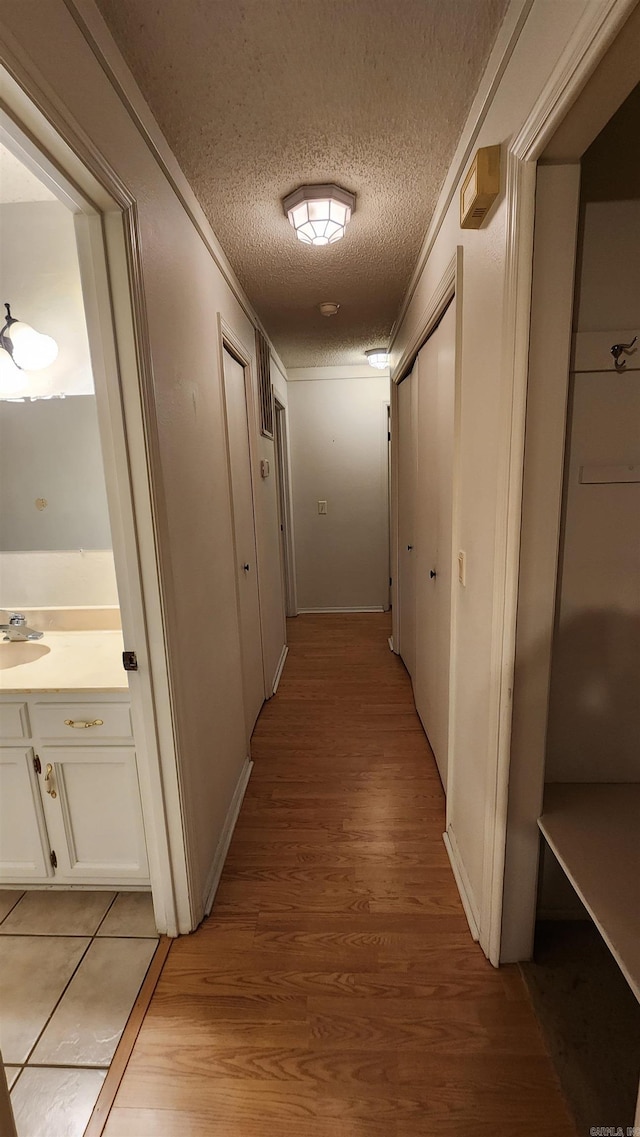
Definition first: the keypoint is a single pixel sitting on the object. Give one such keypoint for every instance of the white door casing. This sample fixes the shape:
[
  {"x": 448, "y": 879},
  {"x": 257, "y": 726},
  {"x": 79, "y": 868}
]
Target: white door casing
[{"x": 405, "y": 444}]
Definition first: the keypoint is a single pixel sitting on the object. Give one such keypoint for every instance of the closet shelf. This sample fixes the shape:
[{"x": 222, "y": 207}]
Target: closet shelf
[{"x": 594, "y": 831}]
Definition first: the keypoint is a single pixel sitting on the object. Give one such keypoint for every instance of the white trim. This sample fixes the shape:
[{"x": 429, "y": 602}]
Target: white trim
[
  {"x": 462, "y": 881},
  {"x": 222, "y": 848},
  {"x": 506, "y": 40},
  {"x": 112, "y": 286},
  {"x": 310, "y": 611},
  {"x": 582, "y": 53},
  {"x": 344, "y": 371},
  {"x": 280, "y": 668},
  {"x": 438, "y": 303},
  {"x": 283, "y": 459}
]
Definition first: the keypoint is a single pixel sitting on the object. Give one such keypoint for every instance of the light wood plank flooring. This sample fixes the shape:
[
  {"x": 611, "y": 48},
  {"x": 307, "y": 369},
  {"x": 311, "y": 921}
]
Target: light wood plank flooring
[{"x": 335, "y": 990}]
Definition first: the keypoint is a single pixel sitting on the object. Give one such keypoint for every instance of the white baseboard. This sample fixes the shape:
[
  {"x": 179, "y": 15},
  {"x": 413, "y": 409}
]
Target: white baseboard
[
  {"x": 310, "y": 611},
  {"x": 462, "y": 882},
  {"x": 280, "y": 668},
  {"x": 215, "y": 871}
]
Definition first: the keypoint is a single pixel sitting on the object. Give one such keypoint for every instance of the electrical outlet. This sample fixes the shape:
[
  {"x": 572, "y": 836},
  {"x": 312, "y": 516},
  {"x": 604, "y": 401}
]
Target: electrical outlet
[{"x": 322, "y": 507}]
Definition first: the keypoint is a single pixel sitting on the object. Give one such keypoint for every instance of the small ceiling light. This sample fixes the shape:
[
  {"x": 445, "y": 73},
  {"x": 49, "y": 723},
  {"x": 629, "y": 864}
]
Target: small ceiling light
[
  {"x": 30, "y": 350},
  {"x": 378, "y": 357},
  {"x": 319, "y": 214},
  {"x": 328, "y": 308}
]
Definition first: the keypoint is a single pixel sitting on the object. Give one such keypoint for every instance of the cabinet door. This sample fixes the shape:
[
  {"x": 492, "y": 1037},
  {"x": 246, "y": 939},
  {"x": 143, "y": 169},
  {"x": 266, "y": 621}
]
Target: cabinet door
[
  {"x": 94, "y": 817},
  {"x": 24, "y": 850}
]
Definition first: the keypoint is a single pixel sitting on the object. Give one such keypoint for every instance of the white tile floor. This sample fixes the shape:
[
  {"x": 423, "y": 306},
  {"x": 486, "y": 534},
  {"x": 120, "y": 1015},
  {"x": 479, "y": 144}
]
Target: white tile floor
[{"x": 71, "y": 966}]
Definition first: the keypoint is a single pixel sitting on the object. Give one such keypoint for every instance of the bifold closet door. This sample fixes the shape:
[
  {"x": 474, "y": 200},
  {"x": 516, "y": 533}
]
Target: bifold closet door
[
  {"x": 244, "y": 537},
  {"x": 406, "y": 430},
  {"x": 433, "y": 529}
]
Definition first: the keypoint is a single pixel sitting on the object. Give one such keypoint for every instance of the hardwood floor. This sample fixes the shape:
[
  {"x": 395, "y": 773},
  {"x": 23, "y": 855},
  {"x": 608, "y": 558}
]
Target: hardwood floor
[{"x": 335, "y": 990}]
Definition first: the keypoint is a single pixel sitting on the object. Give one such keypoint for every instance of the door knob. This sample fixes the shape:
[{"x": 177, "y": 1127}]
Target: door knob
[
  {"x": 433, "y": 573},
  {"x": 409, "y": 547},
  {"x": 246, "y": 568}
]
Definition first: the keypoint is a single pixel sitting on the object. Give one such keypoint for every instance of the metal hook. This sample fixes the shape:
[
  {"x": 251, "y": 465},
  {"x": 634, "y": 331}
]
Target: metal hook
[{"x": 617, "y": 351}]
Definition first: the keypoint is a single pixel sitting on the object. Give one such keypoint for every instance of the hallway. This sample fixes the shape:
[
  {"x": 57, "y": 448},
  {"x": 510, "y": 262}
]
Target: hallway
[{"x": 335, "y": 990}]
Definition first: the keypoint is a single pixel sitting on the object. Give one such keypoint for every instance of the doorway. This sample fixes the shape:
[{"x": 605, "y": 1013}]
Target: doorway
[
  {"x": 244, "y": 531},
  {"x": 285, "y": 520}
]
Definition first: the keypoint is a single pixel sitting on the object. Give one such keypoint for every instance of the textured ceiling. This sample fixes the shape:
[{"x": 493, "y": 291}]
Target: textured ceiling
[{"x": 256, "y": 97}]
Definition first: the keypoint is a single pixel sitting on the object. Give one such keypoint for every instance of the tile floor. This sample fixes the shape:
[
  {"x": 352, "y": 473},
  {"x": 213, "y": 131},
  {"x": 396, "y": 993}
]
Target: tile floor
[{"x": 71, "y": 966}]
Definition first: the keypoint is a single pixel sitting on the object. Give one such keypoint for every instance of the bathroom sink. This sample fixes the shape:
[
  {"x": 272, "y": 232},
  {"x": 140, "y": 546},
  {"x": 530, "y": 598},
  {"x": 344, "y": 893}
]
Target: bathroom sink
[{"x": 22, "y": 651}]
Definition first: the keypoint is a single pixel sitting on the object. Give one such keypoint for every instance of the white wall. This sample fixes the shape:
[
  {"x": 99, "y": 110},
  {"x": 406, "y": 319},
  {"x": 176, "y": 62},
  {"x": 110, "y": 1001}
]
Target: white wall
[
  {"x": 58, "y": 579},
  {"x": 339, "y": 454},
  {"x": 546, "y": 32},
  {"x": 182, "y": 282}
]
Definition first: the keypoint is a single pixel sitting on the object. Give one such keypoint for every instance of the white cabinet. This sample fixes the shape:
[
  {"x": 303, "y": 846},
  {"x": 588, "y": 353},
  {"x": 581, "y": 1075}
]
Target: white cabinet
[{"x": 70, "y": 810}]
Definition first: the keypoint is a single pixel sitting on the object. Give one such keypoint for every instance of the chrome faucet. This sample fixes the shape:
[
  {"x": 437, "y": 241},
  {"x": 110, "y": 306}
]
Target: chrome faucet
[{"x": 17, "y": 629}]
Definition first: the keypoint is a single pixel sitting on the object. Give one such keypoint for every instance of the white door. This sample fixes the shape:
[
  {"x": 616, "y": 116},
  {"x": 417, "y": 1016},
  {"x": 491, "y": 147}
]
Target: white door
[
  {"x": 434, "y": 534},
  {"x": 406, "y": 431},
  {"x": 24, "y": 846},
  {"x": 244, "y": 537}
]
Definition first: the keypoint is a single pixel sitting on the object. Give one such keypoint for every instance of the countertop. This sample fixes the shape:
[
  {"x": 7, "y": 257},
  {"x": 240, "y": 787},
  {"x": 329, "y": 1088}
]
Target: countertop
[{"x": 76, "y": 661}]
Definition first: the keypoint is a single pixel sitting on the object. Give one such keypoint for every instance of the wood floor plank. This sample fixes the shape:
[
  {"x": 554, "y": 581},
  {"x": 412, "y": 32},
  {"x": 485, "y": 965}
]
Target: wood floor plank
[{"x": 335, "y": 990}]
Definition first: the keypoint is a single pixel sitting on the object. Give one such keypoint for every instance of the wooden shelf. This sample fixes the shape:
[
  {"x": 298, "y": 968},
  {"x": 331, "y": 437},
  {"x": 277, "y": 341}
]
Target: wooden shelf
[{"x": 594, "y": 831}]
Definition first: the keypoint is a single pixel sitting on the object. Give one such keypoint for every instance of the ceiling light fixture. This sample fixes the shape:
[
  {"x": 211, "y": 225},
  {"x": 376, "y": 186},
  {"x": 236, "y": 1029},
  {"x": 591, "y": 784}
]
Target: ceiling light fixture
[
  {"x": 319, "y": 214},
  {"x": 27, "y": 349},
  {"x": 378, "y": 357}
]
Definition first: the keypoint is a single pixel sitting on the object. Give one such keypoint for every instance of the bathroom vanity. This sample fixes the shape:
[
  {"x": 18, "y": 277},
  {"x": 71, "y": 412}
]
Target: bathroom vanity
[{"x": 70, "y": 810}]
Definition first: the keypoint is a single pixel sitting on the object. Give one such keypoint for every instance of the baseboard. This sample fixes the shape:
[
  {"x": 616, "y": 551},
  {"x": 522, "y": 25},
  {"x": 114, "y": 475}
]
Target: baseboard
[
  {"x": 215, "y": 871},
  {"x": 280, "y": 668},
  {"x": 310, "y": 611},
  {"x": 462, "y": 882}
]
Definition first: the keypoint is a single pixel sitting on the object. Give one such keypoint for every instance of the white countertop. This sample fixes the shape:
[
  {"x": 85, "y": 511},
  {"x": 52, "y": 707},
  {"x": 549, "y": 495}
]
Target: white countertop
[{"x": 75, "y": 661}]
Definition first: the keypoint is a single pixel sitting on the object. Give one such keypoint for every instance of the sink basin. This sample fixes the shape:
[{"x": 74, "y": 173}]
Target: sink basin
[{"x": 22, "y": 651}]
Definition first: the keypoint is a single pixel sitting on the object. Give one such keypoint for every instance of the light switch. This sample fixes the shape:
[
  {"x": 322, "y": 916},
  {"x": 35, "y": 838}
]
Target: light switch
[
  {"x": 322, "y": 507},
  {"x": 462, "y": 568}
]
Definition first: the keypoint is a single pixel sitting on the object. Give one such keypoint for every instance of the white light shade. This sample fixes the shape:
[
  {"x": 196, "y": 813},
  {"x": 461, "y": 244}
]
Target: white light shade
[
  {"x": 12, "y": 381},
  {"x": 378, "y": 357},
  {"x": 31, "y": 350},
  {"x": 319, "y": 214}
]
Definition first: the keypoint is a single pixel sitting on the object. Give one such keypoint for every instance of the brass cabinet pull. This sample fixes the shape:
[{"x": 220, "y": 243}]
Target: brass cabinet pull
[
  {"x": 47, "y": 780},
  {"x": 81, "y": 725}
]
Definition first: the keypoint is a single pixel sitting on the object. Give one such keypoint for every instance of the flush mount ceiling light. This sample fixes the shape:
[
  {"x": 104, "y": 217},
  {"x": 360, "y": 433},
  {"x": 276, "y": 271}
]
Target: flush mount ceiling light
[
  {"x": 378, "y": 357},
  {"x": 319, "y": 214},
  {"x": 24, "y": 347}
]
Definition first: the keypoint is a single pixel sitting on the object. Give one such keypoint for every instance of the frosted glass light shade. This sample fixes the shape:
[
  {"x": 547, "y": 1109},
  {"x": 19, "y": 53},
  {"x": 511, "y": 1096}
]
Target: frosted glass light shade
[
  {"x": 378, "y": 357},
  {"x": 31, "y": 350},
  {"x": 319, "y": 214}
]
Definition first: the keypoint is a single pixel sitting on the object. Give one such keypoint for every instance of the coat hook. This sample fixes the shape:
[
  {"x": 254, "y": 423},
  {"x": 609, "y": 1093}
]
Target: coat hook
[{"x": 617, "y": 351}]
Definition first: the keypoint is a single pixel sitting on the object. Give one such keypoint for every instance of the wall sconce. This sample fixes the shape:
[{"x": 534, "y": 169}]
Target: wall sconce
[{"x": 23, "y": 347}]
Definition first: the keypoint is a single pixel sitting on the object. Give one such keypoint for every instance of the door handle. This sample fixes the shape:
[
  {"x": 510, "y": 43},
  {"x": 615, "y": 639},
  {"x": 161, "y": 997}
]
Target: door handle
[
  {"x": 47, "y": 780},
  {"x": 433, "y": 573},
  {"x": 409, "y": 548},
  {"x": 246, "y": 568}
]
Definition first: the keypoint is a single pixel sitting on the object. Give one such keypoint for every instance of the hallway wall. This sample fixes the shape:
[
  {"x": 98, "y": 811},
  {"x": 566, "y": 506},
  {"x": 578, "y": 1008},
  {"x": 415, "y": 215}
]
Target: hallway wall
[
  {"x": 339, "y": 454},
  {"x": 188, "y": 280},
  {"x": 477, "y": 648}
]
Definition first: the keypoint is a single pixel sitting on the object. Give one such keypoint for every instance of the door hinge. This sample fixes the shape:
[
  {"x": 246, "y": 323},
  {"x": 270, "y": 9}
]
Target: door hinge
[
  {"x": 53, "y": 859},
  {"x": 36, "y": 764},
  {"x": 388, "y": 436},
  {"x": 390, "y": 581},
  {"x": 129, "y": 661}
]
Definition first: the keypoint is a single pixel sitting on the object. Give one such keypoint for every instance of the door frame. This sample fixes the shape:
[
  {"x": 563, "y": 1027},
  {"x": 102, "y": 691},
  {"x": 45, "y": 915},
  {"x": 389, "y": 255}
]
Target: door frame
[
  {"x": 113, "y": 293},
  {"x": 283, "y": 472},
  {"x": 229, "y": 341},
  {"x": 586, "y": 48}
]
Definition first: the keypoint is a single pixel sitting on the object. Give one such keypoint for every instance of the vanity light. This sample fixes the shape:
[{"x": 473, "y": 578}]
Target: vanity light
[
  {"x": 378, "y": 357},
  {"x": 28, "y": 349},
  {"x": 319, "y": 214}
]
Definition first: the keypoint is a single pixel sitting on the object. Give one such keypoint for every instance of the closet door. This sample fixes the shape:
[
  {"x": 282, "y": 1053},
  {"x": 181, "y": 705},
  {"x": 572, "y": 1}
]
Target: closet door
[
  {"x": 407, "y": 428},
  {"x": 244, "y": 537},
  {"x": 433, "y": 526}
]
